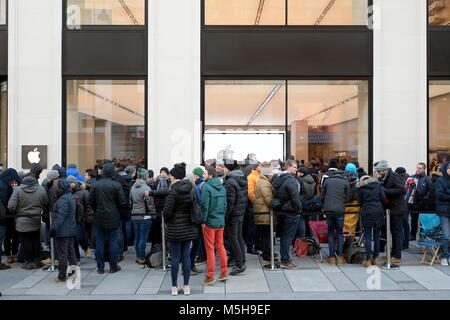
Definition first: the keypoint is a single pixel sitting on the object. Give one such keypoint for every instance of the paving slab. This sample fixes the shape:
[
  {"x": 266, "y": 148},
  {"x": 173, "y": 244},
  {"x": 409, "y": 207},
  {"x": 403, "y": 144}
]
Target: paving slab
[
  {"x": 48, "y": 286},
  {"x": 365, "y": 279},
  {"x": 122, "y": 282},
  {"x": 308, "y": 280},
  {"x": 429, "y": 277},
  {"x": 277, "y": 282},
  {"x": 252, "y": 280},
  {"x": 32, "y": 279},
  {"x": 11, "y": 277}
]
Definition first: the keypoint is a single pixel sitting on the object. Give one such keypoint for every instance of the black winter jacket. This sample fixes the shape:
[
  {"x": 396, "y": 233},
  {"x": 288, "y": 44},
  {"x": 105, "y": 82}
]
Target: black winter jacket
[
  {"x": 159, "y": 194},
  {"x": 81, "y": 196},
  {"x": 108, "y": 200},
  {"x": 395, "y": 192},
  {"x": 236, "y": 186},
  {"x": 63, "y": 216},
  {"x": 6, "y": 177},
  {"x": 335, "y": 193},
  {"x": 288, "y": 190},
  {"x": 371, "y": 197},
  {"x": 177, "y": 213}
]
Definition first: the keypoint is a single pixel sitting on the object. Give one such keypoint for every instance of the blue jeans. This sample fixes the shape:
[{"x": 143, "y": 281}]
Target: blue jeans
[
  {"x": 180, "y": 252},
  {"x": 289, "y": 225},
  {"x": 112, "y": 236},
  {"x": 2, "y": 238},
  {"x": 406, "y": 230},
  {"x": 198, "y": 247},
  {"x": 445, "y": 226},
  {"x": 368, "y": 242},
  {"x": 336, "y": 222},
  {"x": 141, "y": 230}
]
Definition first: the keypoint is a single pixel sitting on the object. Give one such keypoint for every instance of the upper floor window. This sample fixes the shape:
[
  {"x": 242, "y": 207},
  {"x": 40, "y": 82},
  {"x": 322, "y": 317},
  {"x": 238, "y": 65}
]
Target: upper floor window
[
  {"x": 2, "y": 11},
  {"x": 286, "y": 12},
  {"x": 439, "y": 12},
  {"x": 106, "y": 12}
]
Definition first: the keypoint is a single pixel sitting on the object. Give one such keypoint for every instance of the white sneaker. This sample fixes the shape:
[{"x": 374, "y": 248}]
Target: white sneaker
[
  {"x": 444, "y": 262},
  {"x": 174, "y": 291},
  {"x": 186, "y": 290}
]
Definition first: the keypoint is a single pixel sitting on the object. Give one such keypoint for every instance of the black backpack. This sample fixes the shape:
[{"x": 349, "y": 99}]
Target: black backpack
[
  {"x": 313, "y": 246},
  {"x": 154, "y": 258},
  {"x": 79, "y": 213}
]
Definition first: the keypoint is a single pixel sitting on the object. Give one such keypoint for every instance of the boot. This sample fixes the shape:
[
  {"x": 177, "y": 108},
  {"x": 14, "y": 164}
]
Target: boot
[
  {"x": 367, "y": 263},
  {"x": 341, "y": 261},
  {"x": 374, "y": 261}
]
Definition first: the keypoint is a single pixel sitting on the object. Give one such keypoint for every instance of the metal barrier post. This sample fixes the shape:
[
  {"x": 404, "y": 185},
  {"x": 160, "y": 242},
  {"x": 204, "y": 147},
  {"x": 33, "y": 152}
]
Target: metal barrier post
[
  {"x": 164, "y": 253},
  {"x": 388, "y": 265},
  {"x": 52, "y": 267},
  {"x": 272, "y": 266}
]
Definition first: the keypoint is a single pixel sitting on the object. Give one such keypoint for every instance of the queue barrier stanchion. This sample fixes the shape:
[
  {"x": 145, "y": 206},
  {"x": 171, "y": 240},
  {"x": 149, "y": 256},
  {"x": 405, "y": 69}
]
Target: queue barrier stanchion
[
  {"x": 272, "y": 266},
  {"x": 165, "y": 267},
  {"x": 52, "y": 267},
  {"x": 388, "y": 265}
]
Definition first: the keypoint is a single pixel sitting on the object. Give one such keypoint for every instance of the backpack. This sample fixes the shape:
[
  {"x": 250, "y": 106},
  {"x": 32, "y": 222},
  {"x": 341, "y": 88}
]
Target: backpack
[
  {"x": 312, "y": 205},
  {"x": 313, "y": 246},
  {"x": 79, "y": 212},
  {"x": 154, "y": 258}
]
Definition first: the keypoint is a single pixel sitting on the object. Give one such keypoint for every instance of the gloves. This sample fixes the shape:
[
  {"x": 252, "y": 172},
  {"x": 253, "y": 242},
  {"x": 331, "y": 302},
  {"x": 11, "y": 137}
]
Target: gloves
[{"x": 52, "y": 233}]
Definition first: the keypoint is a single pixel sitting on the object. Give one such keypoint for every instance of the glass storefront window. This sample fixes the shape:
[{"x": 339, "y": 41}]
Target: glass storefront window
[
  {"x": 105, "y": 120},
  {"x": 329, "y": 119},
  {"x": 2, "y": 11},
  {"x": 106, "y": 12},
  {"x": 244, "y": 116},
  {"x": 274, "y": 12},
  {"x": 439, "y": 122},
  {"x": 439, "y": 12},
  {"x": 326, "y": 12},
  {"x": 245, "y": 12},
  {"x": 4, "y": 123}
]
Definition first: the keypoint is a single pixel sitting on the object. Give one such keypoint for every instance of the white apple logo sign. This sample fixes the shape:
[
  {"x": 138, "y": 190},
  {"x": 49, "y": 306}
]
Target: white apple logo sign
[{"x": 33, "y": 156}]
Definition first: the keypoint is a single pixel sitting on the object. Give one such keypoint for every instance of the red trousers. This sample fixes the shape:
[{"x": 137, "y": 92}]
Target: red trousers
[{"x": 214, "y": 236}]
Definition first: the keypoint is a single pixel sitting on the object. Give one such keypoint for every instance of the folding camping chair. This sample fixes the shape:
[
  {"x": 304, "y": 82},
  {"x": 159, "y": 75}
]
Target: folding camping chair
[
  {"x": 430, "y": 238},
  {"x": 320, "y": 232}
]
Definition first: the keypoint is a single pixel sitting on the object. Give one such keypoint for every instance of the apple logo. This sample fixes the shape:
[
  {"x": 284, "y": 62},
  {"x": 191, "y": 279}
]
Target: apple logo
[{"x": 33, "y": 156}]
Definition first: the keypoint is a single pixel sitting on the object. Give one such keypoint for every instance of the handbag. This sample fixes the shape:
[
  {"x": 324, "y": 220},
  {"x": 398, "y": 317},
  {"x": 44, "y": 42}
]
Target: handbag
[{"x": 196, "y": 216}]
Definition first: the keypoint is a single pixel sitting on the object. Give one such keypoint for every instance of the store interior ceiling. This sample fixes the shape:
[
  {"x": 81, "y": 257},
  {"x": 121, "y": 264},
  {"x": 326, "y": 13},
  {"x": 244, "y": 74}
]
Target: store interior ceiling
[
  {"x": 439, "y": 90},
  {"x": 235, "y": 104}
]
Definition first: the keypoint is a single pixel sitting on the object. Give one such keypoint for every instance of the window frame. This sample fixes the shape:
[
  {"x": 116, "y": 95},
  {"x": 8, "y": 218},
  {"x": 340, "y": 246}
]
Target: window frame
[
  {"x": 103, "y": 27},
  {"x": 286, "y": 146},
  {"x": 65, "y": 79},
  {"x": 6, "y": 17}
]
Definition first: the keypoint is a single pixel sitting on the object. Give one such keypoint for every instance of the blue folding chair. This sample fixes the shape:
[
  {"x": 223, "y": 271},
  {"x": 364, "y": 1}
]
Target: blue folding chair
[{"x": 430, "y": 238}]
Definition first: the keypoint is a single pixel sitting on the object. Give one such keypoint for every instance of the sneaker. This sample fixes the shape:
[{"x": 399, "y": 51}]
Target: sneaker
[
  {"x": 230, "y": 264},
  {"x": 60, "y": 280},
  {"x": 88, "y": 253},
  {"x": 252, "y": 251},
  {"x": 47, "y": 261},
  {"x": 444, "y": 262},
  {"x": 100, "y": 271},
  {"x": 174, "y": 291},
  {"x": 200, "y": 260},
  {"x": 186, "y": 290},
  {"x": 140, "y": 261},
  {"x": 393, "y": 260},
  {"x": 341, "y": 261},
  {"x": 331, "y": 261},
  {"x": 4, "y": 266},
  {"x": 222, "y": 277},
  {"x": 367, "y": 263},
  {"x": 236, "y": 271},
  {"x": 115, "y": 270},
  {"x": 195, "y": 271},
  {"x": 10, "y": 259},
  {"x": 208, "y": 281},
  {"x": 289, "y": 266}
]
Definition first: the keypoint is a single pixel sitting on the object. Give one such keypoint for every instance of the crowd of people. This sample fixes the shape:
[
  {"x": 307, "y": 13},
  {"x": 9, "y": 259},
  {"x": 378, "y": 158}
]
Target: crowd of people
[{"x": 222, "y": 207}]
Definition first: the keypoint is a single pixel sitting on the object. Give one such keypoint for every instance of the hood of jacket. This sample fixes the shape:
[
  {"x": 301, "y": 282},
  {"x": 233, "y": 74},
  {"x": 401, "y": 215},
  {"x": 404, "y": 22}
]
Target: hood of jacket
[
  {"x": 108, "y": 170},
  {"x": 444, "y": 170},
  {"x": 368, "y": 183},
  {"x": 72, "y": 172},
  {"x": 239, "y": 176},
  {"x": 281, "y": 179},
  {"x": 199, "y": 180},
  {"x": 182, "y": 186},
  {"x": 338, "y": 174},
  {"x": 308, "y": 179},
  {"x": 351, "y": 167},
  {"x": 61, "y": 171},
  {"x": 139, "y": 183},
  {"x": 9, "y": 175},
  {"x": 63, "y": 187},
  {"x": 215, "y": 183},
  {"x": 29, "y": 184}
]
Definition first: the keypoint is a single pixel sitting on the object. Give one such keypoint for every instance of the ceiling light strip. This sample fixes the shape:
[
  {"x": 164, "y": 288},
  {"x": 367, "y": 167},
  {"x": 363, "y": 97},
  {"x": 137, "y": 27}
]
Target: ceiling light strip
[
  {"x": 110, "y": 101},
  {"x": 128, "y": 11},
  {"x": 264, "y": 104},
  {"x": 259, "y": 13},
  {"x": 324, "y": 12},
  {"x": 332, "y": 107}
]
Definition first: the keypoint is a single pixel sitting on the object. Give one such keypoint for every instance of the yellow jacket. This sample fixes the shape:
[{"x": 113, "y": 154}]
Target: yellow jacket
[{"x": 252, "y": 179}]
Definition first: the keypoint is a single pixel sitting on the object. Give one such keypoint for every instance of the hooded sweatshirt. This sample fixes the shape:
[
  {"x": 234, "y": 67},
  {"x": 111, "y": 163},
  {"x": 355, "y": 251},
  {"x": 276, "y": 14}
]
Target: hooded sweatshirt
[
  {"x": 28, "y": 199},
  {"x": 64, "y": 222},
  {"x": 137, "y": 194},
  {"x": 443, "y": 191},
  {"x": 214, "y": 204}
]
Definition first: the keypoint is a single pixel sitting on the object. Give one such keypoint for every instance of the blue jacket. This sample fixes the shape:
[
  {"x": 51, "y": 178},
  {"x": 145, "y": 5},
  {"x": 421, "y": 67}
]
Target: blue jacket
[
  {"x": 64, "y": 212},
  {"x": 198, "y": 189},
  {"x": 443, "y": 191},
  {"x": 74, "y": 172}
]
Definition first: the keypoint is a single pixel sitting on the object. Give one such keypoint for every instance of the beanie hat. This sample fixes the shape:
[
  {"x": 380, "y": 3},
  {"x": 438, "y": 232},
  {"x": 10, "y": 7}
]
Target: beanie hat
[
  {"x": 71, "y": 166},
  {"x": 198, "y": 171},
  {"x": 178, "y": 171},
  {"x": 36, "y": 170},
  {"x": 332, "y": 163},
  {"x": 142, "y": 174},
  {"x": 151, "y": 174},
  {"x": 130, "y": 170},
  {"x": 303, "y": 170},
  {"x": 400, "y": 170},
  {"x": 52, "y": 175},
  {"x": 231, "y": 164},
  {"x": 71, "y": 179},
  {"x": 382, "y": 166},
  {"x": 164, "y": 169}
]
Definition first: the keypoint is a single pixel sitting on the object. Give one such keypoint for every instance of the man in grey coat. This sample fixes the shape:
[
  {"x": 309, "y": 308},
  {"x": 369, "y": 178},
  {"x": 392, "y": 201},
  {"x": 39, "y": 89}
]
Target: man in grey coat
[{"x": 27, "y": 203}]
